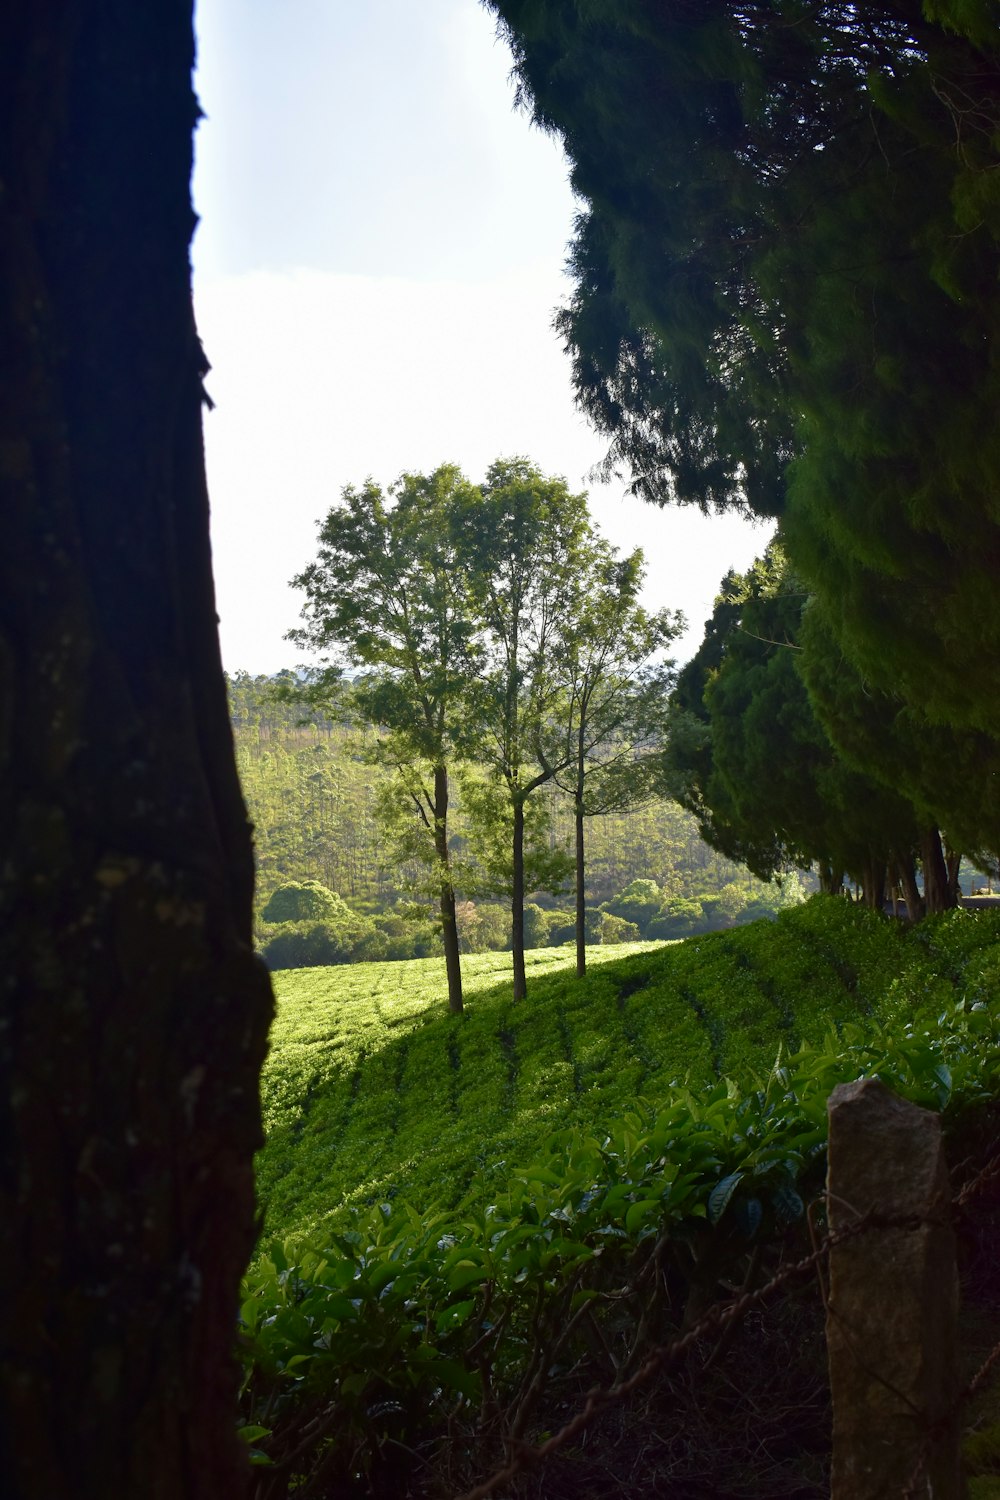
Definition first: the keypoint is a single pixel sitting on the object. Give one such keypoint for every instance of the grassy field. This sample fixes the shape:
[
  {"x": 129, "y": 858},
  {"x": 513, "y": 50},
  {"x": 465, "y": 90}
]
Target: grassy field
[{"x": 373, "y": 1091}]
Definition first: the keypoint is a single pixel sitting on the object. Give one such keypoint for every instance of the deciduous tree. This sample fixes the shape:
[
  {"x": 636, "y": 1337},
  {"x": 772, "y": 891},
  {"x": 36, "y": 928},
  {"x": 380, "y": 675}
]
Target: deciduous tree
[
  {"x": 615, "y": 705},
  {"x": 387, "y": 593},
  {"x": 526, "y": 539}
]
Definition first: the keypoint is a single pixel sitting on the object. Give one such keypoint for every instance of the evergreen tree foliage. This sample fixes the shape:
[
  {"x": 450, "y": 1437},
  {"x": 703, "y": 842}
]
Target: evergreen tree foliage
[
  {"x": 751, "y": 759},
  {"x": 786, "y": 297},
  {"x": 946, "y": 773}
]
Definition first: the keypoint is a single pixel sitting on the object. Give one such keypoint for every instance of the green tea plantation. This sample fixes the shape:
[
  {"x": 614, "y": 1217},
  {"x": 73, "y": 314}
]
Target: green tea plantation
[{"x": 470, "y": 1221}]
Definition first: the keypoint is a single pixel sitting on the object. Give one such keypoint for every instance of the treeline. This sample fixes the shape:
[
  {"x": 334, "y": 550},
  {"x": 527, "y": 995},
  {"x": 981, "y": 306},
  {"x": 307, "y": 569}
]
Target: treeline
[{"x": 315, "y": 801}]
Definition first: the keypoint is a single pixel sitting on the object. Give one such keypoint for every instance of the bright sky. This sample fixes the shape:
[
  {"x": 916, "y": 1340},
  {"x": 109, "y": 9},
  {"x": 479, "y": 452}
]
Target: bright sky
[{"x": 380, "y": 252}]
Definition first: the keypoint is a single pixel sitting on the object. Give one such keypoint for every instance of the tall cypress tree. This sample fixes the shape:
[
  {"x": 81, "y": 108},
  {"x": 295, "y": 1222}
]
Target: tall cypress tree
[
  {"x": 749, "y": 756},
  {"x": 785, "y": 292}
]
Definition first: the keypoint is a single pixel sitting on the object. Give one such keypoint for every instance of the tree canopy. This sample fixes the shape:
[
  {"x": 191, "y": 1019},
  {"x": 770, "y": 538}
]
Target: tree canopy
[
  {"x": 526, "y": 540},
  {"x": 785, "y": 294},
  {"x": 750, "y": 757}
]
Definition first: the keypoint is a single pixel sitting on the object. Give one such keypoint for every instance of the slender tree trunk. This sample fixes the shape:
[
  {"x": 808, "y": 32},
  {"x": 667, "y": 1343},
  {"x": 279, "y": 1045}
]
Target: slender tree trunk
[
  {"x": 449, "y": 925},
  {"x": 517, "y": 902},
  {"x": 134, "y": 1014},
  {"x": 581, "y": 868},
  {"x": 581, "y": 894}
]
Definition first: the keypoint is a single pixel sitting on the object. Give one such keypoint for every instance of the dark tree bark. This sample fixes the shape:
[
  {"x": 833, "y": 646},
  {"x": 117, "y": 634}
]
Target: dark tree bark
[
  {"x": 906, "y": 878},
  {"x": 581, "y": 892},
  {"x": 873, "y": 885},
  {"x": 134, "y": 1014},
  {"x": 939, "y": 890},
  {"x": 517, "y": 902},
  {"x": 449, "y": 925}
]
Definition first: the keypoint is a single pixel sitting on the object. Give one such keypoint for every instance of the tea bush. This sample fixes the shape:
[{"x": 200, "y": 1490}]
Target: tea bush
[{"x": 463, "y": 1211}]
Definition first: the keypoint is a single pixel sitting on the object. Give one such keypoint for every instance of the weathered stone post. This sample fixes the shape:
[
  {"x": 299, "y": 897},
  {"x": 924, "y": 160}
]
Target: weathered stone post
[{"x": 891, "y": 1324}]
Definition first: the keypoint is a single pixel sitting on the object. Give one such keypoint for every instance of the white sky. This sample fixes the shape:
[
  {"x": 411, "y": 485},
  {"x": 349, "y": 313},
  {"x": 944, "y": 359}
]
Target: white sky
[{"x": 380, "y": 252}]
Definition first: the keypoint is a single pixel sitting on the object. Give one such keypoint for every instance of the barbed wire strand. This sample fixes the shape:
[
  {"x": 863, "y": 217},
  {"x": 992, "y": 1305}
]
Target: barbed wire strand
[{"x": 723, "y": 1315}]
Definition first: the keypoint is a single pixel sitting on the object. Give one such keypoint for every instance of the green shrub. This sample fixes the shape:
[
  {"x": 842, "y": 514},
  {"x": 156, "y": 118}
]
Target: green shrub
[
  {"x": 540, "y": 926},
  {"x": 564, "y": 930},
  {"x": 678, "y": 918},
  {"x": 398, "y": 1324},
  {"x": 311, "y": 945},
  {"x": 638, "y": 903},
  {"x": 406, "y": 933},
  {"x": 303, "y": 901},
  {"x": 500, "y": 1076},
  {"x": 483, "y": 927},
  {"x": 618, "y": 930},
  {"x": 726, "y": 907}
]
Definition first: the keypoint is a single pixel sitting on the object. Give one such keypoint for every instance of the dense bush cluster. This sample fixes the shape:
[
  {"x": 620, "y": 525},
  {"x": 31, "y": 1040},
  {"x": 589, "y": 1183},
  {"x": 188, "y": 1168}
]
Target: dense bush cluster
[
  {"x": 657, "y": 915},
  {"x": 305, "y": 925}
]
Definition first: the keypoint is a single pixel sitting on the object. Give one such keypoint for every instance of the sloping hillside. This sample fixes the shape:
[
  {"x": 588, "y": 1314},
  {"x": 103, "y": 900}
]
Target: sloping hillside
[{"x": 373, "y": 1090}]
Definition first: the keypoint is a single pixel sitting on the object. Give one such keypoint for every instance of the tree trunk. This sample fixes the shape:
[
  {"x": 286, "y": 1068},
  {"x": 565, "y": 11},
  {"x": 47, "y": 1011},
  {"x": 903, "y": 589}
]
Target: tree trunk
[
  {"x": 939, "y": 891},
  {"x": 134, "y": 1014},
  {"x": 874, "y": 884},
  {"x": 449, "y": 925},
  {"x": 581, "y": 895},
  {"x": 908, "y": 880},
  {"x": 517, "y": 902}
]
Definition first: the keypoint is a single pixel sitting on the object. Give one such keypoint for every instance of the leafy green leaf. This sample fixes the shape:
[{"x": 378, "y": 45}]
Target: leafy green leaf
[{"x": 720, "y": 1196}]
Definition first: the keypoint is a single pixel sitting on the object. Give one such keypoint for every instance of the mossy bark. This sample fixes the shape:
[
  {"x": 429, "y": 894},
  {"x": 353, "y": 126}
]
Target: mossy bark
[{"x": 134, "y": 1015}]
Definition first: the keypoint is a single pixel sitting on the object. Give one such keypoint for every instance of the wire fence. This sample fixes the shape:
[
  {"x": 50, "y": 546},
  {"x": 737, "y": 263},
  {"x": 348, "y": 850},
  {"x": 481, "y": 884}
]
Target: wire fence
[{"x": 726, "y": 1316}]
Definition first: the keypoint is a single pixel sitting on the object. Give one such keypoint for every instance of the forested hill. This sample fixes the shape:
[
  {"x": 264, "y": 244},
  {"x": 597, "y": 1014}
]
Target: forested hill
[{"x": 313, "y": 796}]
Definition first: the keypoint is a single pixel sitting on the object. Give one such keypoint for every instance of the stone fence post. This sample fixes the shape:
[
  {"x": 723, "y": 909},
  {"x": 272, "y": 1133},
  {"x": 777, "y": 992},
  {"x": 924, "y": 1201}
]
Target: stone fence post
[{"x": 891, "y": 1319}]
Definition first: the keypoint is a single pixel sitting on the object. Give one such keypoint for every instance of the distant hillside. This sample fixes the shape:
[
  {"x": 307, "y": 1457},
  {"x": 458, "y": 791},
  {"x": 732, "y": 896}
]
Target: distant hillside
[{"x": 312, "y": 797}]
